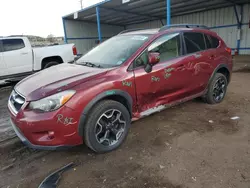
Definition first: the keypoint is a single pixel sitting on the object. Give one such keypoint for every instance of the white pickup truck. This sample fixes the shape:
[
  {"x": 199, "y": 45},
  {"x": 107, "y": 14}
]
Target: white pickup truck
[{"x": 18, "y": 59}]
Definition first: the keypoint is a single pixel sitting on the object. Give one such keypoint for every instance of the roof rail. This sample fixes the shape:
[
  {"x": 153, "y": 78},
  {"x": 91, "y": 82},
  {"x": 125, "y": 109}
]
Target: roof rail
[
  {"x": 183, "y": 25},
  {"x": 130, "y": 30}
]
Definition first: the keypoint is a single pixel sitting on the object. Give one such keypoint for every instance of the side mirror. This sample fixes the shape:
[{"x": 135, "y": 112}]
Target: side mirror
[{"x": 153, "y": 58}]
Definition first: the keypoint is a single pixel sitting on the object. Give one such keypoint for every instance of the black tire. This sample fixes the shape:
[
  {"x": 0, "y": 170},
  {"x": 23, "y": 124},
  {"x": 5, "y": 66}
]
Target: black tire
[
  {"x": 210, "y": 96},
  {"x": 51, "y": 64},
  {"x": 90, "y": 129}
]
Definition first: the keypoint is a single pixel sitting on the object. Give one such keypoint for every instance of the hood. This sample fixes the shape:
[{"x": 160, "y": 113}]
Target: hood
[{"x": 54, "y": 80}]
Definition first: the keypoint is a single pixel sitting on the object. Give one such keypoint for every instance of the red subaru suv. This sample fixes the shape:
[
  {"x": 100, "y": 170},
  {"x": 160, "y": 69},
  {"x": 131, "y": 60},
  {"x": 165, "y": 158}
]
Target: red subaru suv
[{"x": 132, "y": 75}]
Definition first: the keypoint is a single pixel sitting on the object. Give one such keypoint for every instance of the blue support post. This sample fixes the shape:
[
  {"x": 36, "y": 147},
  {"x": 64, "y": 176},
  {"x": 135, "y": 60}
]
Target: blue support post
[
  {"x": 98, "y": 24},
  {"x": 65, "y": 32},
  {"x": 236, "y": 14},
  {"x": 168, "y": 12}
]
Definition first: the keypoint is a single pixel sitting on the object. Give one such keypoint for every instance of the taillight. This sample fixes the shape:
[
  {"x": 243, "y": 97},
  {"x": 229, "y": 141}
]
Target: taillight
[
  {"x": 229, "y": 50},
  {"x": 74, "y": 50}
]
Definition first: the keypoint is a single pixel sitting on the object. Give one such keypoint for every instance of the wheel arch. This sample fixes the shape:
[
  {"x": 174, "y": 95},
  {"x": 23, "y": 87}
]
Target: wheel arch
[
  {"x": 47, "y": 60},
  {"x": 222, "y": 68},
  {"x": 116, "y": 95}
]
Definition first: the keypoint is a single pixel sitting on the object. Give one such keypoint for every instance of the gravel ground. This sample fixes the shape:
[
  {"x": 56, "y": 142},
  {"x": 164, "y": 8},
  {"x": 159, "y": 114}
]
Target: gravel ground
[
  {"x": 192, "y": 145},
  {"x": 6, "y": 132}
]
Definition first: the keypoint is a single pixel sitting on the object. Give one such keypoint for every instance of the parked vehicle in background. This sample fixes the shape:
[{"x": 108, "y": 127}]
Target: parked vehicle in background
[
  {"x": 18, "y": 59},
  {"x": 129, "y": 76}
]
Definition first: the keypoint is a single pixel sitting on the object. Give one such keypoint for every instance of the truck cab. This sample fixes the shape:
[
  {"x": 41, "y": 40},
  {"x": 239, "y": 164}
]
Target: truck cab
[
  {"x": 18, "y": 59},
  {"x": 15, "y": 56}
]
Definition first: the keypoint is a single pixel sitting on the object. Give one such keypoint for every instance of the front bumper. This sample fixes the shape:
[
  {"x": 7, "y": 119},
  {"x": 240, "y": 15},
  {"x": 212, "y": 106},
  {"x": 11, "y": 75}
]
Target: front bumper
[
  {"x": 34, "y": 128},
  {"x": 33, "y": 146}
]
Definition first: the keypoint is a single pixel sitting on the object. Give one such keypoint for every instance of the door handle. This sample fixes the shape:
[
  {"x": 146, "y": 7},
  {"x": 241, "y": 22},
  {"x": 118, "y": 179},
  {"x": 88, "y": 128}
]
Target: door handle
[{"x": 24, "y": 53}]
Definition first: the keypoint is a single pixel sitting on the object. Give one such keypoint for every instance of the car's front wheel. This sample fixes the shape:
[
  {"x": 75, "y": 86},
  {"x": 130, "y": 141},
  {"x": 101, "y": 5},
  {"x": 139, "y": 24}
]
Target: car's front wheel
[
  {"x": 217, "y": 89},
  {"x": 107, "y": 126}
]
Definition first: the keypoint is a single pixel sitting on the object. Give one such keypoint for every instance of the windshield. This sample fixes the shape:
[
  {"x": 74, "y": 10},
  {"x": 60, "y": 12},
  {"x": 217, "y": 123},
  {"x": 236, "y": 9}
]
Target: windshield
[{"x": 114, "y": 51}]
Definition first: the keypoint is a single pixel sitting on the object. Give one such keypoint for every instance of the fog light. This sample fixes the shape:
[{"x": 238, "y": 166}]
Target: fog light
[{"x": 51, "y": 134}]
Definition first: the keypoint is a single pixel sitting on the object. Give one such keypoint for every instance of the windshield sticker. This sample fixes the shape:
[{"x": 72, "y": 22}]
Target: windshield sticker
[
  {"x": 138, "y": 37},
  {"x": 126, "y": 83},
  {"x": 121, "y": 61},
  {"x": 155, "y": 79}
]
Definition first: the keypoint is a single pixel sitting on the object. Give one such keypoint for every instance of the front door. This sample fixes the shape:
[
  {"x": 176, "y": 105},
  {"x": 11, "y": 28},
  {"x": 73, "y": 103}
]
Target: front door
[
  {"x": 168, "y": 79},
  {"x": 17, "y": 56}
]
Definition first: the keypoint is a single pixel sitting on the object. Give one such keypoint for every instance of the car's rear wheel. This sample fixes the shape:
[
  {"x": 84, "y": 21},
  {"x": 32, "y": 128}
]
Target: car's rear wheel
[
  {"x": 217, "y": 89},
  {"x": 107, "y": 126}
]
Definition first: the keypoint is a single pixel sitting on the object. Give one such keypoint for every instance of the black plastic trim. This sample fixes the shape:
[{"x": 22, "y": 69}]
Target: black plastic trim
[{"x": 216, "y": 70}]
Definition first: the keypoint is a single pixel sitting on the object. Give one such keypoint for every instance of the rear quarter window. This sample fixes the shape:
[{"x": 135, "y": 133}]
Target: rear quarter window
[
  {"x": 212, "y": 42},
  {"x": 215, "y": 42}
]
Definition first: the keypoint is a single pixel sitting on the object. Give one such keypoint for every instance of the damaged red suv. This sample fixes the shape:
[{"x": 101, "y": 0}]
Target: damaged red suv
[{"x": 132, "y": 75}]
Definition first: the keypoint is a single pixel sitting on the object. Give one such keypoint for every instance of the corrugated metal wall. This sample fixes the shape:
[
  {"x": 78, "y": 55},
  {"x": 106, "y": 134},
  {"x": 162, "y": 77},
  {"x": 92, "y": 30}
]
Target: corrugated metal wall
[
  {"x": 79, "y": 32},
  {"x": 84, "y": 35},
  {"x": 213, "y": 18},
  {"x": 245, "y": 36}
]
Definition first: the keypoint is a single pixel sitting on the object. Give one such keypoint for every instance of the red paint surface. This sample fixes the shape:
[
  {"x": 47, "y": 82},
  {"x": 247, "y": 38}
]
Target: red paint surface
[{"x": 189, "y": 78}]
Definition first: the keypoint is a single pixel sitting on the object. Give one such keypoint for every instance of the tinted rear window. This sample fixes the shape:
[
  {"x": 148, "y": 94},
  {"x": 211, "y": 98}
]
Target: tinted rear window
[
  {"x": 12, "y": 44},
  {"x": 194, "y": 42}
]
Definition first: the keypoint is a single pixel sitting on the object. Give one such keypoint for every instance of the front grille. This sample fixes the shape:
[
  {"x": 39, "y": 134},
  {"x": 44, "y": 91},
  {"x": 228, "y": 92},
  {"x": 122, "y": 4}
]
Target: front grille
[{"x": 16, "y": 101}]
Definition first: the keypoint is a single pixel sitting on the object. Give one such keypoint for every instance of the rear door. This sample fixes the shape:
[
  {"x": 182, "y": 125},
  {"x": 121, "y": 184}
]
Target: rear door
[
  {"x": 17, "y": 56},
  {"x": 213, "y": 50},
  {"x": 198, "y": 61},
  {"x": 3, "y": 70}
]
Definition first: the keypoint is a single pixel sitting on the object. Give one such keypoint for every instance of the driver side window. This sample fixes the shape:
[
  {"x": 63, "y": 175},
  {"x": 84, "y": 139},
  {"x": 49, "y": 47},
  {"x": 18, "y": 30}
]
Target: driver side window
[{"x": 168, "y": 46}]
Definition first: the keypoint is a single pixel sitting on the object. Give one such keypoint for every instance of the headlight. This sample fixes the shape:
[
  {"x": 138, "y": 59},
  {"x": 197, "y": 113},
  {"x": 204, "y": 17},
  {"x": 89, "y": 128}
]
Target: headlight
[{"x": 52, "y": 102}]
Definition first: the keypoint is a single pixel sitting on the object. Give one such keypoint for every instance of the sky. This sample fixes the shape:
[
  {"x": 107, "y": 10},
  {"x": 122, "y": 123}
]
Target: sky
[{"x": 36, "y": 17}]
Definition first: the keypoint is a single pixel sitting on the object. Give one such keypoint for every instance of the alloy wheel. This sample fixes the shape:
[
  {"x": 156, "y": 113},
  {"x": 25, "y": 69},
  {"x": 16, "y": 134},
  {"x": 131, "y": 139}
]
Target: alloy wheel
[{"x": 110, "y": 127}]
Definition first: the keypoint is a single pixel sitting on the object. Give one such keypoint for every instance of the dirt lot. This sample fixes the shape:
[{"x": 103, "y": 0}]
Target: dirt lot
[
  {"x": 6, "y": 131},
  {"x": 176, "y": 148}
]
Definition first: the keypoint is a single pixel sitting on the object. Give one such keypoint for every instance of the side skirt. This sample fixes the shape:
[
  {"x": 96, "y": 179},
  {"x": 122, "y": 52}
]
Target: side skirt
[{"x": 163, "y": 107}]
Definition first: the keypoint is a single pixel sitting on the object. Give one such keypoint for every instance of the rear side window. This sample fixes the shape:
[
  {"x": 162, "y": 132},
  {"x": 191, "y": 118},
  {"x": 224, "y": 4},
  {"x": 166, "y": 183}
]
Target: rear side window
[
  {"x": 12, "y": 44},
  {"x": 194, "y": 42},
  {"x": 215, "y": 42}
]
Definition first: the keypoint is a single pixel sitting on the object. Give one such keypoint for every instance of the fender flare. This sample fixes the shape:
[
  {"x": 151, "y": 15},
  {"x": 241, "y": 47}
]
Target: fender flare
[
  {"x": 216, "y": 70},
  {"x": 98, "y": 98}
]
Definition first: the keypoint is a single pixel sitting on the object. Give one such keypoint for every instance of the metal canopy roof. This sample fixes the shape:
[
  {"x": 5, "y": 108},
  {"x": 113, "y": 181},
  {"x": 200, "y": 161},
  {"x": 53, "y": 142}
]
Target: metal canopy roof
[{"x": 137, "y": 11}]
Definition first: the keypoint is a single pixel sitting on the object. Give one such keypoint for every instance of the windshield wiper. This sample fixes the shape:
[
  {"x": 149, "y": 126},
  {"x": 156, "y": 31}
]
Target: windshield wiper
[{"x": 89, "y": 64}]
